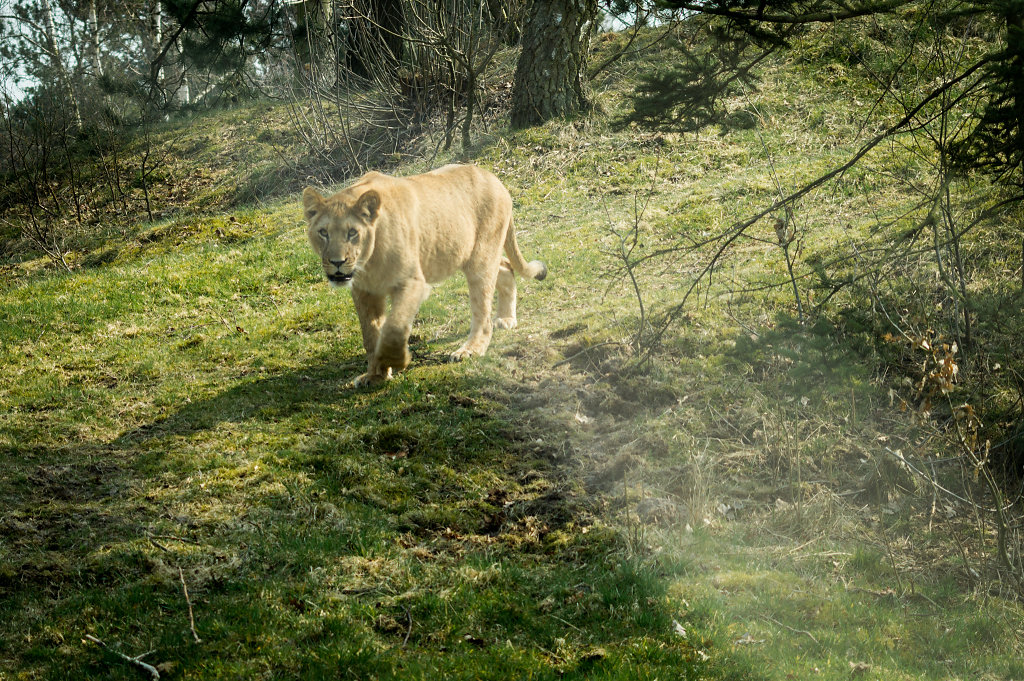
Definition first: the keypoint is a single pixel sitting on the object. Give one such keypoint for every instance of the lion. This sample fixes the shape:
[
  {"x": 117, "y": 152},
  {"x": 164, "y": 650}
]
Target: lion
[{"x": 395, "y": 237}]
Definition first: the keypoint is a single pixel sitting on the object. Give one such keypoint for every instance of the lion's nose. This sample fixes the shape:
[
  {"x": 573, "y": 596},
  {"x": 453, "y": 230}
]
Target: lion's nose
[{"x": 337, "y": 263}]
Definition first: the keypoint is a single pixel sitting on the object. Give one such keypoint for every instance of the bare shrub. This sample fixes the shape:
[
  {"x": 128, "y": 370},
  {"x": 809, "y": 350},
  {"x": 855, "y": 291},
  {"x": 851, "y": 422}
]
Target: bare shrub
[{"x": 371, "y": 87}]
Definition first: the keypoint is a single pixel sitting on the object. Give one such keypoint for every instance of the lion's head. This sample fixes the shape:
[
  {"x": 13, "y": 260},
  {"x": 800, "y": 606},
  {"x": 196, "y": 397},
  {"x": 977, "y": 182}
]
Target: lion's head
[{"x": 341, "y": 231}]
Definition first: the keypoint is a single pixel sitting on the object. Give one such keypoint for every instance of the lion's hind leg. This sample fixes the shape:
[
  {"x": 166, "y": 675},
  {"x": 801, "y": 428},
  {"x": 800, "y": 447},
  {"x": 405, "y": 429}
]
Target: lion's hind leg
[
  {"x": 506, "y": 286},
  {"x": 481, "y": 295}
]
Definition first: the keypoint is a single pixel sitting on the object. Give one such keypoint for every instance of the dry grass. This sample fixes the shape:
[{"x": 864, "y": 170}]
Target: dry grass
[{"x": 175, "y": 411}]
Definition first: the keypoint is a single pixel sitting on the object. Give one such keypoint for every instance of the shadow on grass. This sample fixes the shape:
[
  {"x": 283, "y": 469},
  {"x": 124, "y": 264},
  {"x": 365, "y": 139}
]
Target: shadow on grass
[
  {"x": 59, "y": 502},
  {"x": 412, "y": 530},
  {"x": 325, "y": 382}
]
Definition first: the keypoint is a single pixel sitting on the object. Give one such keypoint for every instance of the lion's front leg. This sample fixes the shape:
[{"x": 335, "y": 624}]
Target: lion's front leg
[
  {"x": 370, "y": 310},
  {"x": 391, "y": 353}
]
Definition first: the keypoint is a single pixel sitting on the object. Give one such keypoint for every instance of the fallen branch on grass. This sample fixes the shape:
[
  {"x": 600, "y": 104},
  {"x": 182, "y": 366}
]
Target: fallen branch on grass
[
  {"x": 135, "y": 661},
  {"x": 795, "y": 631},
  {"x": 191, "y": 617},
  {"x": 174, "y": 537},
  {"x": 184, "y": 586}
]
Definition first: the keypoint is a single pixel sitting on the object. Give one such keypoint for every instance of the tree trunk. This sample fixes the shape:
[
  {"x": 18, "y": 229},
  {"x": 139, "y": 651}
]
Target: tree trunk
[
  {"x": 375, "y": 37},
  {"x": 1015, "y": 43},
  {"x": 95, "y": 59},
  {"x": 153, "y": 38},
  {"x": 503, "y": 18},
  {"x": 551, "y": 76},
  {"x": 57, "y": 62},
  {"x": 177, "y": 78},
  {"x": 313, "y": 36}
]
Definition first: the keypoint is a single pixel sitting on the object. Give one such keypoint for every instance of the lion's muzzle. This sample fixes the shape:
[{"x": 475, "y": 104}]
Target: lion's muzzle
[{"x": 340, "y": 278}]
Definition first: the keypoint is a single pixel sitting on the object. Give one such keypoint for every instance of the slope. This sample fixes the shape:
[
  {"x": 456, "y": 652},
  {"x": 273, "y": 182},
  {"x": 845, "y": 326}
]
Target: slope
[{"x": 185, "y": 471}]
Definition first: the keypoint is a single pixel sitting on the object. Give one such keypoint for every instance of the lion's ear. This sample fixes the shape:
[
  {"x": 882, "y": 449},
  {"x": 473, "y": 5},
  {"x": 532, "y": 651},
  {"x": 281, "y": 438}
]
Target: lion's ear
[
  {"x": 368, "y": 205},
  {"x": 312, "y": 202}
]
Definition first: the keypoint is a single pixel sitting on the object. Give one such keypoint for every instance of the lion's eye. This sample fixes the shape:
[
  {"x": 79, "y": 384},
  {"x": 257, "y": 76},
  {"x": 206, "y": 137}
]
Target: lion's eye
[
  {"x": 323, "y": 233},
  {"x": 352, "y": 235}
]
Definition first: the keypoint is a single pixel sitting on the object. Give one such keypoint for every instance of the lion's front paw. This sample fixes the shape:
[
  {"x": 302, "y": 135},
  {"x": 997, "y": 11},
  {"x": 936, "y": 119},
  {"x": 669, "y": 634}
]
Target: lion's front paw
[
  {"x": 505, "y": 322},
  {"x": 368, "y": 379},
  {"x": 464, "y": 353}
]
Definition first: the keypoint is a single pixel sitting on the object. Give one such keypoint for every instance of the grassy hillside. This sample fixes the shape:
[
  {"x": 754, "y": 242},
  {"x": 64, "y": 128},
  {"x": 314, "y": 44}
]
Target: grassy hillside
[{"x": 185, "y": 472}]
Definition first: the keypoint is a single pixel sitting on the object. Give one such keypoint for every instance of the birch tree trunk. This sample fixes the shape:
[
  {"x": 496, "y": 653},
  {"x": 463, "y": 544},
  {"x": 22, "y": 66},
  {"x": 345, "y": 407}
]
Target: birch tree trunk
[
  {"x": 153, "y": 38},
  {"x": 57, "y": 62},
  {"x": 178, "y": 80},
  {"x": 93, "y": 26}
]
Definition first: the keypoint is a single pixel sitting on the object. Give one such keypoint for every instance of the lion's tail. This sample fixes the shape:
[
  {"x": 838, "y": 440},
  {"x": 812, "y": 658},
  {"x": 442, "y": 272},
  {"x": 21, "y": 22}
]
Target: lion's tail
[{"x": 534, "y": 269}]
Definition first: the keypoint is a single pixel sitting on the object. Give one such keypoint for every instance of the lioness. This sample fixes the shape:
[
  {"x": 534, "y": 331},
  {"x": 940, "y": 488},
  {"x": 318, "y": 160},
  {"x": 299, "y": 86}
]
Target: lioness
[{"x": 395, "y": 236}]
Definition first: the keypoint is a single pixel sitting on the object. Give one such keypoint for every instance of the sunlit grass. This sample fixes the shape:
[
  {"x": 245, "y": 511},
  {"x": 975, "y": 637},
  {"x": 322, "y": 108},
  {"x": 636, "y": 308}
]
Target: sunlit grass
[{"x": 176, "y": 412}]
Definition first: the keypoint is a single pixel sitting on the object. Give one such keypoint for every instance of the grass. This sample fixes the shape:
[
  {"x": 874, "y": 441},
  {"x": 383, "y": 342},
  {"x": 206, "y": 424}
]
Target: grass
[
  {"x": 175, "y": 414},
  {"x": 320, "y": 531},
  {"x": 180, "y": 415}
]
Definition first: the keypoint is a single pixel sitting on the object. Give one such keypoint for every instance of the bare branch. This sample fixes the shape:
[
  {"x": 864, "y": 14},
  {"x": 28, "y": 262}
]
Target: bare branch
[
  {"x": 729, "y": 237},
  {"x": 134, "y": 661},
  {"x": 790, "y": 19}
]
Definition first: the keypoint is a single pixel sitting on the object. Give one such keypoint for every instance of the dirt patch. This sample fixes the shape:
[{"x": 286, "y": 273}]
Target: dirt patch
[
  {"x": 391, "y": 440},
  {"x": 614, "y": 471},
  {"x": 599, "y": 358},
  {"x": 625, "y": 396},
  {"x": 76, "y": 482}
]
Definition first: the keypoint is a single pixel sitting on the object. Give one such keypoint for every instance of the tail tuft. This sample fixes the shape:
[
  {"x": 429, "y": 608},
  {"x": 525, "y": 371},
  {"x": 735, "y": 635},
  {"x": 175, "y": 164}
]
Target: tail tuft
[{"x": 535, "y": 269}]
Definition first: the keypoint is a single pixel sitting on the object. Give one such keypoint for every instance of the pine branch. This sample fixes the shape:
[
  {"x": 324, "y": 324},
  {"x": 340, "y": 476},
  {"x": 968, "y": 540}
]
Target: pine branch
[{"x": 759, "y": 16}]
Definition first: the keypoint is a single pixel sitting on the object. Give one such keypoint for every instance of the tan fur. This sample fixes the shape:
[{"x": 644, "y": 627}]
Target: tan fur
[{"x": 394, "y": 237}]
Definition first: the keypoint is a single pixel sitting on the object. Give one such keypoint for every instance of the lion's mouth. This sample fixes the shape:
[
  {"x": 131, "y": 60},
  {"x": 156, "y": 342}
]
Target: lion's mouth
[{"x": 340, "y": 277}]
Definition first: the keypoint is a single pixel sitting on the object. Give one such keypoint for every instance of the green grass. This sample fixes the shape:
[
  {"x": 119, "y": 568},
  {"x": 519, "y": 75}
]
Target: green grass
[
  {"x": 176, "y": 413},
  {"x": 185, "y": 408}
]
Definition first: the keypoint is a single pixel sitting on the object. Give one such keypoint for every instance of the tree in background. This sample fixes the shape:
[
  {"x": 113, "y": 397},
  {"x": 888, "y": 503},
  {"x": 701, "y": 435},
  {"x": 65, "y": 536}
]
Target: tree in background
[
  {"x": 689, "y": 94},
  {"x": 947, "y": 80},
  {"x": 376, "y": 30},
  {"x": 956, "y": 79},
  {"x": 382, "y": 69},
  {"x": 551, "y": 75},
  {"x": 89, "y": 79},
  {"x": 223, "y": 44},
  {"x": 170, "y": 53}
]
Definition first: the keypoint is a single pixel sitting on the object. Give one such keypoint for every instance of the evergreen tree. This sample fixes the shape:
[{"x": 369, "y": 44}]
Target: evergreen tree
[
  {"x": 741, "y": 34},
  {"x": 551, "y": 75}
]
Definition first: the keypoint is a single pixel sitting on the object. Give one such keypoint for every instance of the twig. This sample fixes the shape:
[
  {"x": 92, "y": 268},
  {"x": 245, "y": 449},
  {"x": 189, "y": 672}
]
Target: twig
[
  {"x": 723, "y": 240},
  {"x": 160, "y": 546},
  {"x": 566, "y": 622},
  {"x": 174, "y": 537},
  {"x": 886, "y": 593},
  {"x": 172, "y": 332},
  {"x": 913, "y": 469},
  {"x": 892, "y": 560},
  {"x": 972, "y": 574},
  {"x": 136, "y": 661},
  {"x": 805, "y": 544},
  {"x": 795, "y": 631},
  {"x": 191, "y": 616},
  {"x": 181, "y": 576},
  {"x": 785, "y": 228}
]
